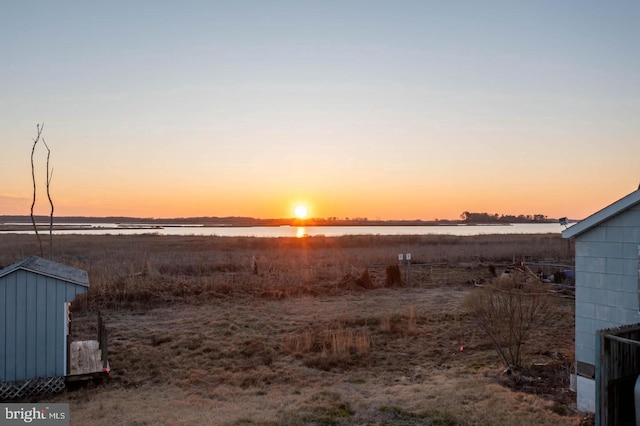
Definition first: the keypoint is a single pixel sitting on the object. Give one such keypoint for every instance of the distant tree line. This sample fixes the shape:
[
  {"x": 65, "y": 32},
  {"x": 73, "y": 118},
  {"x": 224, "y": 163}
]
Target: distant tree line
[
  {"x": 466, "y": 217},
  {"x": 469, "y": 217}
]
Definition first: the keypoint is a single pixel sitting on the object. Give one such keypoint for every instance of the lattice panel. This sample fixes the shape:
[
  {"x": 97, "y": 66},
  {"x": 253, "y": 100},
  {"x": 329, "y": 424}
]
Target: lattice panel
[{"x": 31, "y": 387}]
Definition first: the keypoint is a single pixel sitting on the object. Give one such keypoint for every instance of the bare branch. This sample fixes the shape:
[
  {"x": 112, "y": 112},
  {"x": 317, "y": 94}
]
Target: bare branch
[
  {"x": 39, "y": 128},
  {"x": 49, "y": 177}
]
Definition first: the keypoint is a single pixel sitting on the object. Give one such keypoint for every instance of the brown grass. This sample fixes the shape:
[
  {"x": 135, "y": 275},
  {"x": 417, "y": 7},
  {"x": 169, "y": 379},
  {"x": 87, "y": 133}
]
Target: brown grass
[
  {"x": 151, "y": 270},
  {"x": 197, "y": 338}
]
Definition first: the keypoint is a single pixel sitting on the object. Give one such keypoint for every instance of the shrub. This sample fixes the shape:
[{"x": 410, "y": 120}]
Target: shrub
[
  {"x": 365, "y": 279},
  {"x": 507, "y": 310},
  {"x": 393, "y": 276}
]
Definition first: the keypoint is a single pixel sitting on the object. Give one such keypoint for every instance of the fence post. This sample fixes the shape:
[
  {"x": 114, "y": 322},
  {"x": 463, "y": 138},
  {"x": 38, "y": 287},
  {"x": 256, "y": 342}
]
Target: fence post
[
  {"x": 103, "y": 341},
  {"x": 600, "y": 379},
  {"x": 68, "y": 338},
  {"x": 104, "y": 346},
  {"x": 99, "y": 326}
]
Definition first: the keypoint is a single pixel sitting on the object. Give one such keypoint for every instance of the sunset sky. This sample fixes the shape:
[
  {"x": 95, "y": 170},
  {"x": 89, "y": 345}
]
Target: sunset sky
[{"x": 354, "y": 108}]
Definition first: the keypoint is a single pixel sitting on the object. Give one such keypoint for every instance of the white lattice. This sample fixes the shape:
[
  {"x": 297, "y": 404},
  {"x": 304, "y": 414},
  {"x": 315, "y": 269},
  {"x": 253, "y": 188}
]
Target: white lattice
[{"x": 31, "y": 387}]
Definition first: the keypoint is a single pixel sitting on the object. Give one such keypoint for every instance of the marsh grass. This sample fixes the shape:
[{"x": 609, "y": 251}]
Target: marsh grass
[
  {"x": 197, "y": 338},
  {"x": 145, "y": 271},
  {"x": 332, "y": 346},
  {"x": 385, "y": 323}
]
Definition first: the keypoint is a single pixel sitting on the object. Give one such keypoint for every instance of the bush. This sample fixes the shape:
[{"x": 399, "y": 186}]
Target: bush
[
  {"x": 507, "y": 310},
  {"x": 393, "y": 276}
]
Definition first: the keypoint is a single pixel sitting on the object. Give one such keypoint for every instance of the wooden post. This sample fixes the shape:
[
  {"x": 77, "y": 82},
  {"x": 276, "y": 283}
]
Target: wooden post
[
  {"x": 103, "y": 341},
  {"x": 601, "y": 373},
  {"x": 447, "y": 272},
  {"x": 67, "y": 336},
  {"x": 99, "y": 326},
  {"x": 68, "y": 339},
  {"x": 104, "y": 346}
]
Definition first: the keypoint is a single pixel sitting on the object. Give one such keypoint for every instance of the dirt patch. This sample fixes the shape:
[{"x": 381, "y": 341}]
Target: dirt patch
[{"x": 549, "y": 381}]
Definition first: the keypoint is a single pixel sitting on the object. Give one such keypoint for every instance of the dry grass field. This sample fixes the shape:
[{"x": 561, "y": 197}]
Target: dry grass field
[{"x": 315, "y": 334}]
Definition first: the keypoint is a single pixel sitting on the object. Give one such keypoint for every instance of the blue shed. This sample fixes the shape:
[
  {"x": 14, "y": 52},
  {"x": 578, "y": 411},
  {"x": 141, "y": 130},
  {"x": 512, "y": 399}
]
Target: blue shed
[{"x": 34, "y": 296}]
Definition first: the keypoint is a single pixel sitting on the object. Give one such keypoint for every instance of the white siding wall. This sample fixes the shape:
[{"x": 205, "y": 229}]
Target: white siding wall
[{"x": 606, "y": 282}]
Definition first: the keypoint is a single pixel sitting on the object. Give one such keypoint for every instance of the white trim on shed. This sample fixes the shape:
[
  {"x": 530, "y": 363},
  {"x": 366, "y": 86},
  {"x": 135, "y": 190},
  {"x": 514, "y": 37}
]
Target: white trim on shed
[{"x": 602, "y": 215}]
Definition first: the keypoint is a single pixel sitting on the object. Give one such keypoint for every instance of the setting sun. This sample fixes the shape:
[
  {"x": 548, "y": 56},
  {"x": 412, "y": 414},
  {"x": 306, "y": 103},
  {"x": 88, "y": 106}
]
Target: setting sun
[{"x": 301, "y": 211}]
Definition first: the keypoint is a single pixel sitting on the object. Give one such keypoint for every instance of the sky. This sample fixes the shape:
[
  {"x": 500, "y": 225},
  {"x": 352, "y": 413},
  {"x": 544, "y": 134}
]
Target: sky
[{"x": 353, "y": 108}]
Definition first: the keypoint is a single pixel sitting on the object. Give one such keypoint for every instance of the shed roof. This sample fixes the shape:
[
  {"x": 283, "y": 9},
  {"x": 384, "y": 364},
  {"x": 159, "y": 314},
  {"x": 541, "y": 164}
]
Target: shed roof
[
  {"x": 603, "y": 215},
  {"x": 49, "y": 268}
]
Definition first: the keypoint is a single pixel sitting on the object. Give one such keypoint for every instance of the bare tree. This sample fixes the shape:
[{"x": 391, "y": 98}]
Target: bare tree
[
  {"x": 507, "y": 310},
  {"x": 49, "y": 177},
  {"x": 33, "y": 177}
]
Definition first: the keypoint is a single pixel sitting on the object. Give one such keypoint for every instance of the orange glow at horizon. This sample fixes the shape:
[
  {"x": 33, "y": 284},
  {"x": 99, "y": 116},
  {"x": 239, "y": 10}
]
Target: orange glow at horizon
[
  {"x": 396, "y": 207},
  {"x": 422, "y": 200}
]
